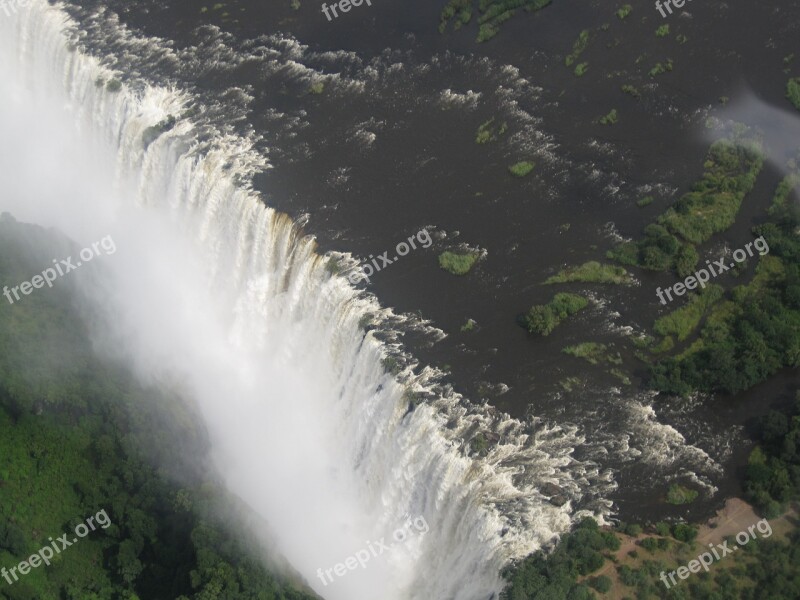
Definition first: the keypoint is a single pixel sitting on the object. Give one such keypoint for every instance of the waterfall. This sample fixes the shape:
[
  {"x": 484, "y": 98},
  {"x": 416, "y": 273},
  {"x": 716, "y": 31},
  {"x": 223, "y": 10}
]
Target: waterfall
[{"x": 215, "y": 290}]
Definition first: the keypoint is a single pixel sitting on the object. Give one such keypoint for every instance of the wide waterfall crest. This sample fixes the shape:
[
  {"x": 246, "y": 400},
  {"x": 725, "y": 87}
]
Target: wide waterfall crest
[{"x": 283, "y": 315}]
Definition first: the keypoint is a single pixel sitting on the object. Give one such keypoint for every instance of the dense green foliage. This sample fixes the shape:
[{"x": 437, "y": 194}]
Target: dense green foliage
[
  {"x": 710, "y": 207},
  {"x": 611, "y": 118},
  {"x": 578, "y": 47},
  {"x": 553, "y": 576},
  {"x": 521, "y": 169},
  {"x": 457, "y": 263},
  {"x": 773, "y": 471},
  {"x": 624, "y": 11},
  {"x": 684, "y": 320},
  {"x": 80, "y": 435},
  {"x": 593, "y": 352},
  {"x": 793, "y": 92},
  {"x": 678, "y": 494},
  {"x": 542, "y": 319},
  {"x": 592, "y": 272},
  {"x": 749, "y": 337},
  {"x": 493, "y": 13}
]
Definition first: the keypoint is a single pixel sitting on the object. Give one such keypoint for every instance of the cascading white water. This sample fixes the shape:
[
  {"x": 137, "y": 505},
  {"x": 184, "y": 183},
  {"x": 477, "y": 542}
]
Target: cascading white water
[{"x": 213, "y": 288}]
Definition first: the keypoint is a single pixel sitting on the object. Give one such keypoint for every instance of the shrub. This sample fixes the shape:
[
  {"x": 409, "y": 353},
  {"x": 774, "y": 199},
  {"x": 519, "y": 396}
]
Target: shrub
[
  {"x": 677, "y": 494},
  {"x": 793, "y": 92},
  {"x": 662, "y": 31},
  {"x": 544, "y": 318},
  {"x": 577, "y": 48},
  {"x": 649, "y": 544},
  {"x": 521, "y": 169},
  {"x": 646, "y": 201},
  {"x": 592, "y": 272},
  {"x": 457, "y": 264},
  {"x": 610, "y": 119},
  {"x": 581, "y": 69},
  {"x": 624, "y": 11},
  {"x": 602, "y": 583},
  {"x": 684, "y": 533},
  {"x": 663, "y": 528},
  {"x": 632, "y": 91}
]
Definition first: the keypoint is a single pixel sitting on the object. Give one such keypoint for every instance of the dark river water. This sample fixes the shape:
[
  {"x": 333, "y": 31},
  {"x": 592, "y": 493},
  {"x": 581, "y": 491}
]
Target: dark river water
[{"x": 369, "y": 122}]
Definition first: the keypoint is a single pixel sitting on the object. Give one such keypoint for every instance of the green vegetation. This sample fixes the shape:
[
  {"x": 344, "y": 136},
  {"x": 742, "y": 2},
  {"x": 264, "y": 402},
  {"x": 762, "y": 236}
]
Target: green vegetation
[
  {"x": 316, "y": 88},
  {"x": 662, "y": 31},
  {"x": 592, "y": 272},
  {"x": 522, "y": 168},
  {"x": 493, "y": 13},
  {"x": 773, "y": 470},
  {"x": 460, "y": 9},
  {"x": 682, "y": 321},
  {"x": 487, "y": 132},
  {"x": 457, "y": 264},
  {"x": 678, "y": 494},
  {"x": 766, "y": 568},
  {"x": 555, "y": 576},
  {"x": 81, "y": 435},
  {"x": 661, "y": 68},
  {"x": 594, "y": 352},
  {"x": 543, "y": 319},
  {"x": 577, "y": 47},
  {"x": 624, "y": 11},
  {"x": 610, "y": 119},
  {"x": 787, "y": 185},
  {"x": 753, "y": 335},
  {"x": 710, "y": 207},
  {"x": 681, "y": 39},
  {"x": 646, "y": 201},
  {"x": 580, "y": 70},
  {"x": 632, "y": 91},
  {"x": 469, "y": 326},
  {"x": 793, "y": 92}
]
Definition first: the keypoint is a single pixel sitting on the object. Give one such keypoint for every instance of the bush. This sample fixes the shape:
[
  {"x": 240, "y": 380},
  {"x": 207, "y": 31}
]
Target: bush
[
  {"x": 457, "y": 264},
  {"x": 633, "y": 530},
  {"x": 521, "y": 169},
  {"x": 602, "y": 584},
  {"x": 793, "y": 92},
  {"x": 543, "y": 319},
  {"x": 684, "y": 533},
  {"x": 678, "y": 494},
  {"x": 591, "y": 272},
  {"x": 581, "y": 69},
  {"x": 610, "y": 119},
  {"x": 663, "y": 529}
]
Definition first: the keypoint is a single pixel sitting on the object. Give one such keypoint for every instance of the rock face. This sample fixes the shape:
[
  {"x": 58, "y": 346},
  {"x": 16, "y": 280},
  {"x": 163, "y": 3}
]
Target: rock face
[{"x": 555, "y": 493}]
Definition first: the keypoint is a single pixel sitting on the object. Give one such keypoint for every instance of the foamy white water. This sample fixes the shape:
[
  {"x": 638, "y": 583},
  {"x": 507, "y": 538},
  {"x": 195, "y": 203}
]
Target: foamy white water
[{"x": 213, "y": 289}]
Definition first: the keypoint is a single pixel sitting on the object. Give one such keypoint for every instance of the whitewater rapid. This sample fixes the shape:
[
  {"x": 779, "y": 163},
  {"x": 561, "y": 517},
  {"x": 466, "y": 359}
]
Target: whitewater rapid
[{"x": 214, "y": 290}]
